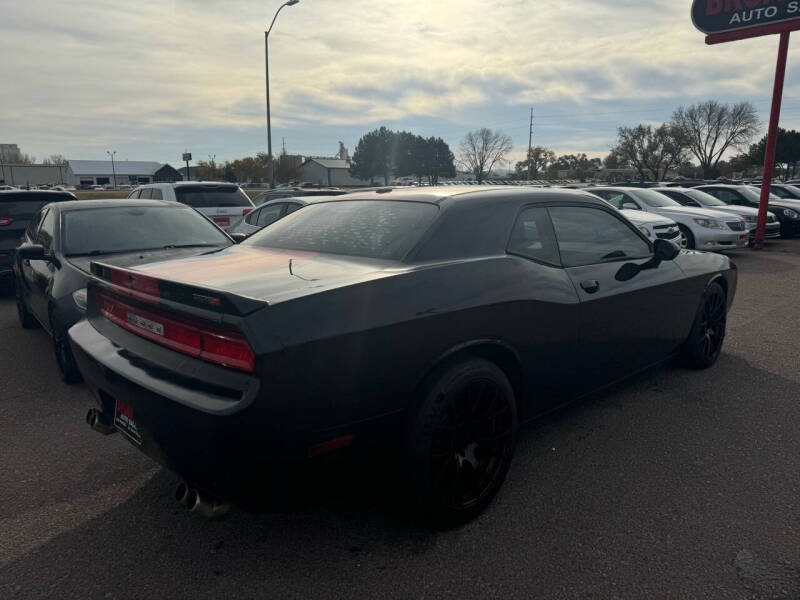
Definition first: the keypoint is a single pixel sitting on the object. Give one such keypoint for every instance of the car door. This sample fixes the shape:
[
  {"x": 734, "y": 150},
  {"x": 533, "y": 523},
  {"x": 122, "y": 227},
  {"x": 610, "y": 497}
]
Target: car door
[
  {"x": 42, "y": 271},
  {"x": 624, "y": 325}
]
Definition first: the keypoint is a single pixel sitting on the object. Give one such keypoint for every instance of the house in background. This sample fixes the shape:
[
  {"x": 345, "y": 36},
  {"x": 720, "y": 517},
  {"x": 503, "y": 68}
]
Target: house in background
[{"x": 329, "y": 172}]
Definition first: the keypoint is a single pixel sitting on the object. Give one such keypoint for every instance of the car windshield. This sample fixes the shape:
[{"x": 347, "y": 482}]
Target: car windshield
[
  {"x": 207, "y": 196},
  {"x": 654, "y": 199},
  {"x": 132, "y": 228},
  {"x": 368, "y": 228},
  {"x": 704, "y": 198},
  {"x": 753, "y": 194}
]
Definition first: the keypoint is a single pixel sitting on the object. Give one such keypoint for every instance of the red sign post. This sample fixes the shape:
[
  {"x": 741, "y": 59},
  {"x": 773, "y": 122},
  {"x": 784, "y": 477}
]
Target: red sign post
[{"x": 731, "y": 20}]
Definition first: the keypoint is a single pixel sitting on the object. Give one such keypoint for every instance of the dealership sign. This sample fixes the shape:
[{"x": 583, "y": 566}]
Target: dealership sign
[{"x": 718, "y": 16}]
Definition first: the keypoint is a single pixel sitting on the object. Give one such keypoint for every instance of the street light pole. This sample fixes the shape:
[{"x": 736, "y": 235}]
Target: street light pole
[
  {"x": 266, "y": 63},
  {"x": 113, "y": 169}
]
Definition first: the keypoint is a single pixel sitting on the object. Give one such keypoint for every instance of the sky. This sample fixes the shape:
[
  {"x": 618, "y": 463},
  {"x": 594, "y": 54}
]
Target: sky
[{"x": 152, "y": 79}]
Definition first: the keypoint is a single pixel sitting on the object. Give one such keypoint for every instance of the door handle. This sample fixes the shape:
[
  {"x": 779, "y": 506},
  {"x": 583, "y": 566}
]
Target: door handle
[{"x": 590, "y": 286}]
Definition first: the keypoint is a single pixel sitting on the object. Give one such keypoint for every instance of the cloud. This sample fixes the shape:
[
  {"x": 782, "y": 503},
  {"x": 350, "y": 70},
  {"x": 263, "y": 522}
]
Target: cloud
[{"x": 155, "y": 77}]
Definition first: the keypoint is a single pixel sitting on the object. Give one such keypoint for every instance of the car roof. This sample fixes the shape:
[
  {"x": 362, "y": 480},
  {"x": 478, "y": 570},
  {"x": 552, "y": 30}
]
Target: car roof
[
  {"x": 448, "y": 195},
  {"x": 71, "y": 205},
  {"x": 182, "y": 183}
]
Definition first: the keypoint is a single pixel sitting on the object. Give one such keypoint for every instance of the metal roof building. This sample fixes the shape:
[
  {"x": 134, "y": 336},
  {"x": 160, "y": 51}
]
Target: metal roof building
[
  {"x": 329, "y": 172},
  {"x": 134, "y": 172}
]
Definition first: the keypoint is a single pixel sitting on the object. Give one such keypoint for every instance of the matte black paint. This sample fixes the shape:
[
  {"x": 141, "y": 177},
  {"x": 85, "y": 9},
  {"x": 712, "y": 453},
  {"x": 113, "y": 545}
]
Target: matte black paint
[{"x": 345, "y": 348}]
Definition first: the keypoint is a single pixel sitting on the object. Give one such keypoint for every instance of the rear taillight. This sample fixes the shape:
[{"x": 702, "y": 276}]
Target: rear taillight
[
  {"x": 226, "y": 348},
  {"x": 5, "y": 221},
  {"x": 246, "y": 211}
]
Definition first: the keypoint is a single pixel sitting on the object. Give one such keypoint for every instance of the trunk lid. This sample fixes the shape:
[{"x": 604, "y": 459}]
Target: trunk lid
[{"x": 269, "y": 274}]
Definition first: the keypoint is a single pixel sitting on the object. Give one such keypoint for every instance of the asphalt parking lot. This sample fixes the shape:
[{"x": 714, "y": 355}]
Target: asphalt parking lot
[{"x": 680, "y": 484}]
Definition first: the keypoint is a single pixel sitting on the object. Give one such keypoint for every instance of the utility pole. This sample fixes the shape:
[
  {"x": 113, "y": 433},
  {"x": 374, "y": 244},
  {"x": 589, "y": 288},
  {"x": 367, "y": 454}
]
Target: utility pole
[
  {"x": 113, "y": 169},
  {"x": 530, "y": 143}
]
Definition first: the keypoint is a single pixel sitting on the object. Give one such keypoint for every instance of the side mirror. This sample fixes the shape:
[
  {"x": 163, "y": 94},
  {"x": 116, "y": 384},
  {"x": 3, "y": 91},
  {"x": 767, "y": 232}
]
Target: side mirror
[
  {"x": 662, "y": 250},
  {"x": 665, "y": 250},
  {"x": 238, "y": 237},
  {"x": 31, "y": 252},
  {"x": 628, "y": 205}
]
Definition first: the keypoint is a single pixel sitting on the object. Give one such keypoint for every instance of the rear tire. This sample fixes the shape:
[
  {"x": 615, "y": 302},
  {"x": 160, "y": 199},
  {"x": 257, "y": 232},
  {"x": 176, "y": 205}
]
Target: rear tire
[
  {"x": 704, "y": 345},
  {"x": 460, "y": 442},
  {"x": 63, "y": 353},
  {"x": 687, "y": 238},
  {"x": 26, "y": 319}
]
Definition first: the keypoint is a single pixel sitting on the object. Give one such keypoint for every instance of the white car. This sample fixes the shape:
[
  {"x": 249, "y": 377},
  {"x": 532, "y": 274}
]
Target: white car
[
  {"x": 700, "y": 228},
  {"x": 7, "y": 188},
  {"x": 701, "y": 199},
  {"x": 224, "y": 203},
  {"x": 654, "y": 226}
]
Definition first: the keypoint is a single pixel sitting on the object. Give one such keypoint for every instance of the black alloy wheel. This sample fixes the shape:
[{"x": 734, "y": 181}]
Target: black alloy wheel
[
  {"x": 64, "y": 359},
  {"x": 463, "y": 441},
  {"x": 704, "y": 345}
]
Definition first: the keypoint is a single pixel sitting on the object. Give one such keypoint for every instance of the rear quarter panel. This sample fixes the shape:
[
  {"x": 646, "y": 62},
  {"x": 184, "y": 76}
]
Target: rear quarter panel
[{"x": 362, "y": 351}]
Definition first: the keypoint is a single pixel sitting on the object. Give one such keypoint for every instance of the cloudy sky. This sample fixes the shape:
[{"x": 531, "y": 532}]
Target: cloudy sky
[{"x": 151, "y": 79}]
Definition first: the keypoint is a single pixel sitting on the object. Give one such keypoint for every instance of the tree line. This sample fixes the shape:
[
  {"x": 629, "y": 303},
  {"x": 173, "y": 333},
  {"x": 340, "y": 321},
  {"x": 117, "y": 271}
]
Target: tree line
[{"x": 250, "y": 169}]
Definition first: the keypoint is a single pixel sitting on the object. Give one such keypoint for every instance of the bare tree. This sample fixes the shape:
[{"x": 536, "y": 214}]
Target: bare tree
[
  {"x": 482, "y": 149},
  {"x": 652, "y": 152},
  {"x": 711, "y": 128},
  {"x": 55, "y": 159}
]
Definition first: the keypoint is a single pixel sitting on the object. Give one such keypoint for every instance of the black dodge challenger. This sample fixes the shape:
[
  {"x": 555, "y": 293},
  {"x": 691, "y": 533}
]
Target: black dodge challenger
[{"x": 431, "y": 321}]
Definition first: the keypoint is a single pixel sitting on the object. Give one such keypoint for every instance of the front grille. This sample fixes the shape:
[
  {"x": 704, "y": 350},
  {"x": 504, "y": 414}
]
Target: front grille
[
  {"x": 736, "y": 225},
  {"x": 667, "y": 232}
]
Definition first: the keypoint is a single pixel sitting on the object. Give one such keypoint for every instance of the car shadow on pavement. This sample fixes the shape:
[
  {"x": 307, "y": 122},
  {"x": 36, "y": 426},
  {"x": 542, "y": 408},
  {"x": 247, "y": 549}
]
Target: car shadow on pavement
[{"x": 653, "y": 488}]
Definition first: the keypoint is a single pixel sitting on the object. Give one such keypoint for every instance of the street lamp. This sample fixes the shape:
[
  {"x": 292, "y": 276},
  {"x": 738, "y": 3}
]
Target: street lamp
[
  {"x": 266, "y": 62},
  {"x": 113, "y": 169}
]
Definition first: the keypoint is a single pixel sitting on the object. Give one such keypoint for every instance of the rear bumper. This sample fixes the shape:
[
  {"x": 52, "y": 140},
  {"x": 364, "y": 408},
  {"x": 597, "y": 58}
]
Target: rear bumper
[
  {"x": 211, "y": 437},
  {"x": 211, "y": 427}
]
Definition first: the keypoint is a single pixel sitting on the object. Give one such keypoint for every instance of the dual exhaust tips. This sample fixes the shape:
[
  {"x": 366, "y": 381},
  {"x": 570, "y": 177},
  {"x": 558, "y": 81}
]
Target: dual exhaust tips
[{"x": 202, "y": 505}]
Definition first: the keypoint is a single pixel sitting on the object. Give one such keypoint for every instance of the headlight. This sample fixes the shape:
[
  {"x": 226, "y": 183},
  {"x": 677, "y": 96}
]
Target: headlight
[
  {"x": 750, "y": 219},
  {"x": 644, "y": 230},
  {"x": 791, "y": 214},
  {"x": 79, "y": 296},
  {"x": 710, "y": 223}
]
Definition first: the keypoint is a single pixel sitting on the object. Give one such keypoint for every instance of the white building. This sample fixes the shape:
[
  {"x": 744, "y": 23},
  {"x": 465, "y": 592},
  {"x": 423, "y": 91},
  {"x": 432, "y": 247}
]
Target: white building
[{"x": 84, "y": 173}]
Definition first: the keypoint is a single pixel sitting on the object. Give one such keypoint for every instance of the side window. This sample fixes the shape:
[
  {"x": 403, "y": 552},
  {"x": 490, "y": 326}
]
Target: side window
[
  {"x": 145, "y": 193},
  {"x": 616, "y": 199},
  {"x": 291, "y": 207},
  {"x": 269, "y": 214},
  {"x": 134, "y": 194},
  {"x": 682, "y": 199},
  {"x": 588, "y": 236},
  {"x": 533, "y": 237},
  {"x": 156, "y": 194},
  {"x": 252, "y": 217},
  {"x": 46, "y": 231}
]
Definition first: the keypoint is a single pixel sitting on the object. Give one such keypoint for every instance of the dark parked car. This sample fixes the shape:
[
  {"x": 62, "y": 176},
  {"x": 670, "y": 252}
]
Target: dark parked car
[
  {"x": 52, "y": 264},
  {"x": 787, "y": 211},
  {"x": 282, "y": 193},
  {"x": 789, "y": 192},
  {"x": 428, "y": 320},
  {"x": 17, "y": 208}
]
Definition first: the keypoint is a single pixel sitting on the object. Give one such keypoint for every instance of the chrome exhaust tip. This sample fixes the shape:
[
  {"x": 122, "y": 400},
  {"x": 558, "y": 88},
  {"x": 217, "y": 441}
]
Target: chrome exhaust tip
[
  {"x": 205, "y": 507},
  {"x": 95, "y": 420},
  {"x": 182, "y": 493}
]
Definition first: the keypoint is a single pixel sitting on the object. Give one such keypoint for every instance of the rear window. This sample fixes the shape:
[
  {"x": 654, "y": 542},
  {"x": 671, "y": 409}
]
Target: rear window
[
  {"x": 131, "y": 228},
  {"x": 200, "y": 196},
  {"x": 368, "y": 228}
]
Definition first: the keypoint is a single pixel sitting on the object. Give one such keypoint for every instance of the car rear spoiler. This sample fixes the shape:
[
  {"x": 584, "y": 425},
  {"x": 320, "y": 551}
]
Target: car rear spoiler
[{"x": 152, "y": 289}]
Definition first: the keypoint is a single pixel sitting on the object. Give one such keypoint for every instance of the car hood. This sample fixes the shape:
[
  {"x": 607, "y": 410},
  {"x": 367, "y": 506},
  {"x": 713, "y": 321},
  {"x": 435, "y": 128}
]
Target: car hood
[
  {"x": 639, "y": 217},
  {"x": 744, "y": 211},
  {"x": 132, "y": 259},
  {"x": 271, "y": 274},
  {"x": 690, "y": 211}
]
